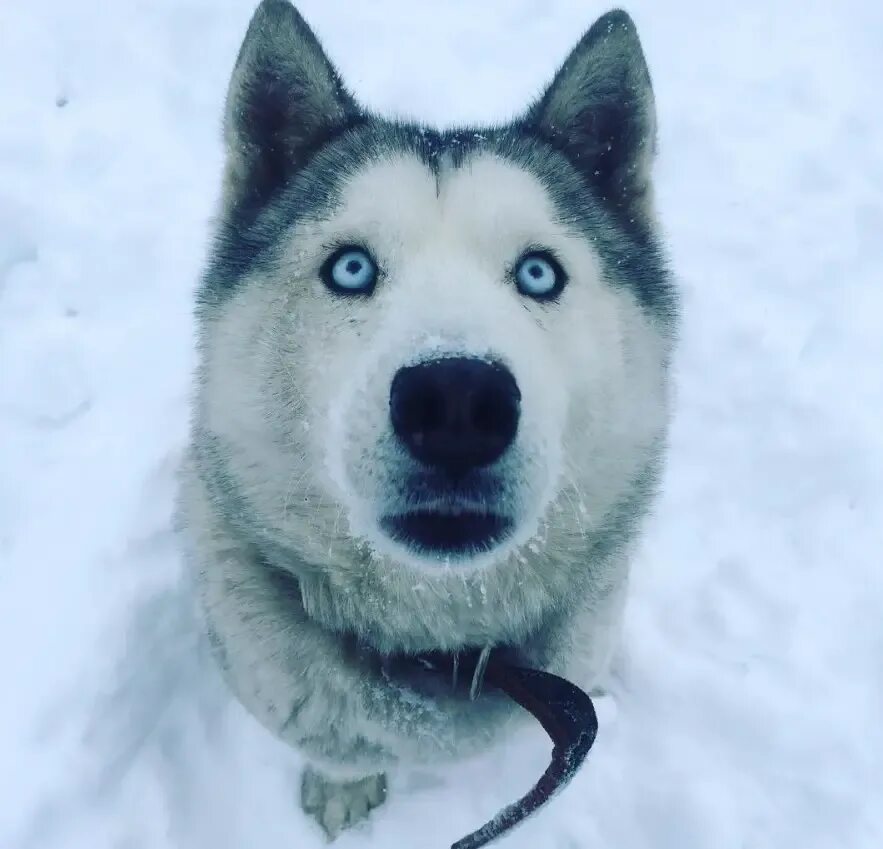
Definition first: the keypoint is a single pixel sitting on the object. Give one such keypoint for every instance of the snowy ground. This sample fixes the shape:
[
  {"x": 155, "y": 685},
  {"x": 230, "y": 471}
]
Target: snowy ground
[{"x": 745, "y": 712}]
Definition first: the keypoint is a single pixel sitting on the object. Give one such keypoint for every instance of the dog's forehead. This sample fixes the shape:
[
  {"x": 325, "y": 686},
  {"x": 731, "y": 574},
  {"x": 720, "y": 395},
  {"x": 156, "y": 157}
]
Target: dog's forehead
[{"x": 482, "y": 194}]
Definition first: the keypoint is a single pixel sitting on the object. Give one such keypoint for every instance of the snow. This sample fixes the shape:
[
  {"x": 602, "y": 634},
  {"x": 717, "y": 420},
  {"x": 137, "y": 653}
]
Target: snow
[{"x": 744, "y": 711}]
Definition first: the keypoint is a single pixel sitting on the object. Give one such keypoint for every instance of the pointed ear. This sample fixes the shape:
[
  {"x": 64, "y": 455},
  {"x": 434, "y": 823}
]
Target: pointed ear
[
  {"x": 599, "y": 112},
  {"x": 285, "y": 99}
]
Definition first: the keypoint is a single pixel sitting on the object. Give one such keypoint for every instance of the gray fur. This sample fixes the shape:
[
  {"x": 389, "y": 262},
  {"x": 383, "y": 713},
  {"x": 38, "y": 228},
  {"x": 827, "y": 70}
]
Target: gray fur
[
  {"x": 293, "y": 593},
  {"x": 283, "y": 95},
  {"x": 599, "y": 110},
  {"x": 338, "y": 805}
]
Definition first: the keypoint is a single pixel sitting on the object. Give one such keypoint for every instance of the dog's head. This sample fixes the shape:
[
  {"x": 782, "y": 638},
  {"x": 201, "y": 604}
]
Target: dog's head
[{"x": 434, "y": 362}]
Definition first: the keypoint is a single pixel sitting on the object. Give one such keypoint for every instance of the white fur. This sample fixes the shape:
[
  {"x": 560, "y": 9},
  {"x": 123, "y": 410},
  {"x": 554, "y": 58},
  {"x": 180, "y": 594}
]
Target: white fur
[
  {"x": 308, "y": 603},
  {"x": 587, "y": 368},
  {"x": 298, "y": 378}
]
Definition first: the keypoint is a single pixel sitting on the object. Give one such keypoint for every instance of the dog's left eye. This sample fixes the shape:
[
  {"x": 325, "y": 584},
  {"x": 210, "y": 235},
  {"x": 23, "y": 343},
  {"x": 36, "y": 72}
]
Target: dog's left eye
[
  {"x": 539, "y": 275},
  {"x": 350, "y": 271}
]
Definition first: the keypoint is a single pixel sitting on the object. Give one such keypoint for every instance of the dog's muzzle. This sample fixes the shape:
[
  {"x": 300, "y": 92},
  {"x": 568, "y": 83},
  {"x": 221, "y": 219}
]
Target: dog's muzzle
[{"x": 455, "y": 416}]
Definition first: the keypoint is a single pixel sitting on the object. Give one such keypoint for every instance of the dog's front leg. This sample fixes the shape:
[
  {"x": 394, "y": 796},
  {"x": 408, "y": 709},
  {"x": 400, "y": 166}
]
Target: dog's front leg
[
  {"x": 286, "y": 670},
  {"x": 338, "y": 805}
]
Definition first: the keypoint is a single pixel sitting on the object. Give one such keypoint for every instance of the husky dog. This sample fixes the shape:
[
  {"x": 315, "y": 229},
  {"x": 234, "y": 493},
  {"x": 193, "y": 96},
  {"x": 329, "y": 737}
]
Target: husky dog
[{"x": 431, "y": 403}]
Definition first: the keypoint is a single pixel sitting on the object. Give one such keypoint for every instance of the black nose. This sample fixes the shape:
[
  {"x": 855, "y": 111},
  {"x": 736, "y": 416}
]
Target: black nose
[{"x": 455, "y": 413}]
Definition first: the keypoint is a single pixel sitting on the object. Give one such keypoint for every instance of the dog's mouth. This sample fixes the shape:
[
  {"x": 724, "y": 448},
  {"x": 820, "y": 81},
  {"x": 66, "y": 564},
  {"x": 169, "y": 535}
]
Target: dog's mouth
[{"x": 449, "y": 530}]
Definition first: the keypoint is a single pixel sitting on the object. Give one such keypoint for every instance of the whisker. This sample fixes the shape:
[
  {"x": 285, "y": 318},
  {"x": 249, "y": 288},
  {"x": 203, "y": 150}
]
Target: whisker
[{"x": 478, "y": 675}]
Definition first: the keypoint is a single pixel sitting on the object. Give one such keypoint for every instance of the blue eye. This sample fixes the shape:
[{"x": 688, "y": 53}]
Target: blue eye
[
  {"x": 350, "y": 271},
  {"x": 539, "y": 275}
]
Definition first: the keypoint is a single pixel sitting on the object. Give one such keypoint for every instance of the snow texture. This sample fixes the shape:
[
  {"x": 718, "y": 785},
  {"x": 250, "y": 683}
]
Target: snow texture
[{"x": 744, "y": 711}]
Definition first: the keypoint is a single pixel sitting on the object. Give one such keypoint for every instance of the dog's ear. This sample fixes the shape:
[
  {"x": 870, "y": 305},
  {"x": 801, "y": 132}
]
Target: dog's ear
[
  {"x": 599, "y": 111},
  {"x": 285, "y": 99}
]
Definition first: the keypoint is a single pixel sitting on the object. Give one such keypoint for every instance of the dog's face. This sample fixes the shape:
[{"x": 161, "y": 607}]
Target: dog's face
[{"x": 430, "y": 356}]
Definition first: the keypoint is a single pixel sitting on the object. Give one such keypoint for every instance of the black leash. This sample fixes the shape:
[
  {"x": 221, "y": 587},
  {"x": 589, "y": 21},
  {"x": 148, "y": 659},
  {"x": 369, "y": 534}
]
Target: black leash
[{"x": 568, "y": 717}]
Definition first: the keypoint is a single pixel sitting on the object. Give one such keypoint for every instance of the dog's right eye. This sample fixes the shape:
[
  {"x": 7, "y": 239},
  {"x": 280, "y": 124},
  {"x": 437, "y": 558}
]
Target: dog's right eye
[
  {"x": 538, "y": 275},
  {"x": 350, "y": 271}
]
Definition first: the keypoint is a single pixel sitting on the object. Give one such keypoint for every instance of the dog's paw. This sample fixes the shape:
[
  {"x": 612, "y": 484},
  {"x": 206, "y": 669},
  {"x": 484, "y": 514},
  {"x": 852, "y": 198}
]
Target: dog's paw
[{"x": 339, "y": 805}]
